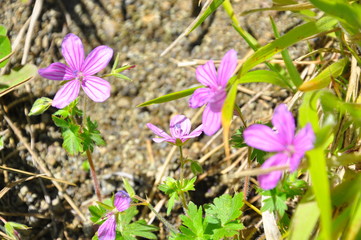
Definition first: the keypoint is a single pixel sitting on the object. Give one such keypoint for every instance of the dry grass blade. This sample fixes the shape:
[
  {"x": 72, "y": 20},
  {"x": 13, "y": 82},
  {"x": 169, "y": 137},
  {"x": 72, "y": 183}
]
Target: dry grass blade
[
  {"x": 12, "y": 184},
  {"x": 270, "y": 224},
  {"x": 3, "y": 235},
  {"x": 34, "y": 174},
  {"x": 260, "y": 171},
  {"x": 184, "y": 33}
]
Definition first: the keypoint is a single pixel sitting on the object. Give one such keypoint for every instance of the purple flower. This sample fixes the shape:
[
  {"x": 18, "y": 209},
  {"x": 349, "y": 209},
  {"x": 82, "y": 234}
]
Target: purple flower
[
  {"x": 289, "y": 148},
  {"x": 215, "y": 92},
  {"x": 79, "y": 72},
  {"x": 107, "y": 231},
  {"x": 180, "y": 127}
]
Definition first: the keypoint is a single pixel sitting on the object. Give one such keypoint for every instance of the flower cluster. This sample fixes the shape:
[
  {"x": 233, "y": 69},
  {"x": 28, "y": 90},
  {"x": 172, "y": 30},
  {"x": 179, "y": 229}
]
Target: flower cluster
[{"x": 289, "y": 148}]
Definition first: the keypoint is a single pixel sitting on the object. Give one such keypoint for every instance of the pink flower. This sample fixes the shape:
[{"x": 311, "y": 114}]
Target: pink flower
[
  {"x": 180, "y": 127},
  {"x": 107, "y": 230},
  {"x": 289, "y": 148},
  {"x": 79, "y": 72},
  {"x": 215, "y": 92}
]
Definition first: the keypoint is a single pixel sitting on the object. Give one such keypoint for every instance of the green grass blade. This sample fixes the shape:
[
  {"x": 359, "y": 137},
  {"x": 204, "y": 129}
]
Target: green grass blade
[
  {"x": 169, "y": 97},
  {"x": 293, "y": 36},
  {"x": 211, "y": 8},
  {"x": 292, "y": 70},
  {"x": 264, "y": 76},
  {"x": 324, "y": 78}
]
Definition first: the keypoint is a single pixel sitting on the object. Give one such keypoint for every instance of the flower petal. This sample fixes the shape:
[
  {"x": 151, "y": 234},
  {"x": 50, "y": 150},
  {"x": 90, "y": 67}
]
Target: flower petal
[
  {"x": 196, "y": 132},
  {"x": 96, "y": 88},
  {"x": 270, "y": 180},
  {"x": 211, "y": 121},
  {"x": 66, "y": 94},
  {"x": 179, "y": 126},
  {"x": 284, "y": 122},
  {"x": 106, "y": 231},
  {"x": 56, "y": 71},
  {"x": 207, "y": 75},
  {"x": 159, "y": 140},
  {"x": 303, "y": 141},
  {"x": 122, "y": 201},
  {"x": 158, "y": 131},
  {"x": 200, "y": 97},
  {"x": 263, "y": 137},
  {"x": 227, "y": 67},
  {"x": 73, "y": 51},
  {"x": 97, "y": 60}
]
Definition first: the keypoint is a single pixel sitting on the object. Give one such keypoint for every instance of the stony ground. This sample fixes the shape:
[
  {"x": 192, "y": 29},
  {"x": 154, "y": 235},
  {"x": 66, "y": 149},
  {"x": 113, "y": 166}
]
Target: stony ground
[{"x": 139, "y": 31}]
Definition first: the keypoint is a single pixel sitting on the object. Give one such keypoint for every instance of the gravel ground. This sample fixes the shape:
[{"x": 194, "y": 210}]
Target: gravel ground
[{"x": 139, "y": 31}]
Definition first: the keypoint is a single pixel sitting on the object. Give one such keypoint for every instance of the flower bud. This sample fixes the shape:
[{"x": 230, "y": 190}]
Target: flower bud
[{"x": 40, "y": 106}]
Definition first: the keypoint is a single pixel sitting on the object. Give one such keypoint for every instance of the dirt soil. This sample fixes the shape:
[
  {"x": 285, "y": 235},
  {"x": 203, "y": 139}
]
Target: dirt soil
[{"x": 139, "y": 31}]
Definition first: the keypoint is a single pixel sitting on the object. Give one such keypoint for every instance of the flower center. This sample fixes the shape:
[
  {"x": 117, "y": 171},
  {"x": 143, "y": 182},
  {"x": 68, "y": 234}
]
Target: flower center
[
  {"x": 290, "y": 150},
  {"x": 78, "y": 75}
]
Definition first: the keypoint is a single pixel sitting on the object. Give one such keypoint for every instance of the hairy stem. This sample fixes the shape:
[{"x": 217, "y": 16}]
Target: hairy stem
[
  {"x": 94, "y": 175},
  {"x": 181, "y": 178}
]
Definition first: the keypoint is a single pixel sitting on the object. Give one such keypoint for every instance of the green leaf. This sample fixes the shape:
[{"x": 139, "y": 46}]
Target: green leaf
[
  {"x": 3, "y": 30},
  {"x": 91, "y": 136},
  {"x": 225, "y": 208},
  {"x": 128, "y": 188},
  {"x": 196, "y": 168},
  {"x": 275, "y": 203},
  {"x": 72, "y": 140},
  {"x": 16, "y": 78},
  {"x": 228, "y": 230},
  {"x": 293, "y": 36},
  {"x": 60, "y": 122},
  {"x": 263, "y": 76},
  {"x": 210, "y": 9},
  {"x": 141, "y": 229},
  {"x": 325, "y": 77},
  {"x": 193, "y": 223},
  {"x": 348, "y": 14},
  {"x": 5, "y": 48},
  {"x": 1, "y": 143},
  {"x": 96, "y": 212},
  {"x": 169, "y": 97},
  {"x": 40, "y": 106},
  {"x": 306, "y": 209}
]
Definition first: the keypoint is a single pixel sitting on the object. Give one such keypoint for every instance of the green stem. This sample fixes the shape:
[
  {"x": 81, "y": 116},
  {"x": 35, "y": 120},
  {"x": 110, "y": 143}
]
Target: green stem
[
  {"x": 238, "y": 110},
  {"x": 181, "y": 177}
]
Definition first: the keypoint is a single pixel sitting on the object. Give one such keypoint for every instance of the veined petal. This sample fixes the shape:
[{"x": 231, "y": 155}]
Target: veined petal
[
  {"x": 159, "y": 140},
  {"x": 295, "y": 160},
  {"x": 97, "y": 60},
  {"x": 106, "y": 231},
  {"x": 179, "y": 126},
  {"x": 73, "y": 51},
  {"x": 200, "y": 97},
  {"x": 269, "y": 181},
  {"x": 196, "y": 132},
  {"x": 66, "y": 94},
  {"x": 56, "y": 71},
  {"x": 304, "y": 139},
  {"x": 122, "y": 201},
  {"x": 207, "y": 75},
  {"x": 263, "y": 137},
  {"x": 227, "y": 67},
  {"x": 96, "y": 88},
  {"x": 284, "y": 122},
  {"x": 211, "y": 121},
  {"x": 157, "y": 131}
]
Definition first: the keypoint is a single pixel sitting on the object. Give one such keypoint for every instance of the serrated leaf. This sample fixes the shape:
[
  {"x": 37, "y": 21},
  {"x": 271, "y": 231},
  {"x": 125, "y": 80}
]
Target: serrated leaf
[
  {"x": 97, "y": 212},
  {"x": 170, "y": 97},
  {"x": 228, "y": 230},
  {"x": 16, "y": 78},
  {"x": 72, "y": 140},
  {"x": 141, "y": 229},
  {"x": 60, "y": 122},
  {"x": 210, "y": 9},
  {"x": 91, "y": 136},
  {"x": 225, "y": 208},
  {"x": 193, "y": 225},
  {"x": 324, "y": 78},
  {"x": 275, "y": 203}
]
